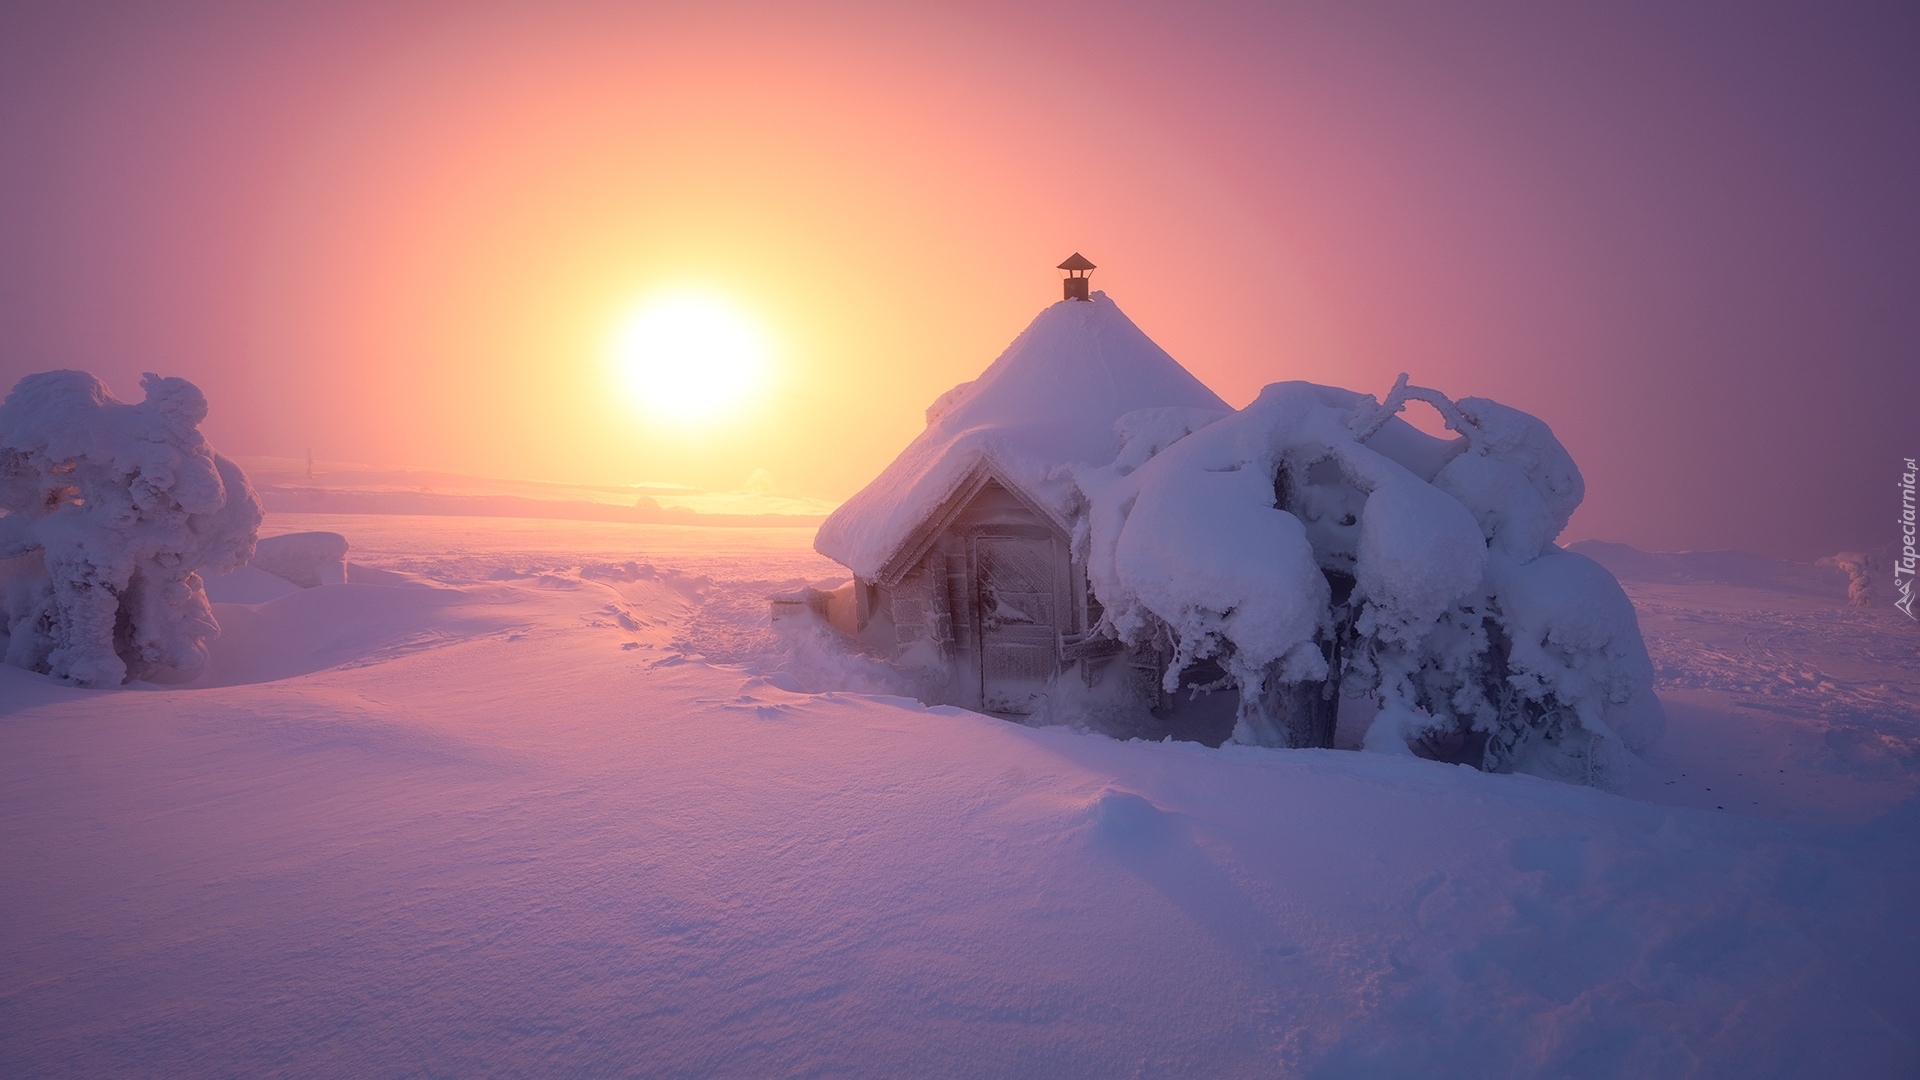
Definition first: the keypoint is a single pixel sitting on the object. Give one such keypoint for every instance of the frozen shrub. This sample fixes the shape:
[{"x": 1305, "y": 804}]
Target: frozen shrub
[
  {"x": 1859, "y": 567},
  {"x": 110, "y": 511}
]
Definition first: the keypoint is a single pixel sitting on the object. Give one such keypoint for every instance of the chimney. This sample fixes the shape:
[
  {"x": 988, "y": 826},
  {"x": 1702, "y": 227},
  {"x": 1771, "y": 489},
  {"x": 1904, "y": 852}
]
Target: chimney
[{"x": 1077, "y": 268}]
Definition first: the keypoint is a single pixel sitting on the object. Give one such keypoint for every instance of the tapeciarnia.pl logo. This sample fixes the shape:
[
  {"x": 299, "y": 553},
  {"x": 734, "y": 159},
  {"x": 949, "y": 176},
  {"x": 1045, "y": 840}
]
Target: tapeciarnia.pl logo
[{"x": 1903, "y": 564}]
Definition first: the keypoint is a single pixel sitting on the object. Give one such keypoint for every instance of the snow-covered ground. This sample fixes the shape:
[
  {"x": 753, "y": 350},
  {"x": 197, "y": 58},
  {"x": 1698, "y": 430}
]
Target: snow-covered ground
[
  {"x": 534, "y": 797},
  {"x": 1784, "y": 702}
]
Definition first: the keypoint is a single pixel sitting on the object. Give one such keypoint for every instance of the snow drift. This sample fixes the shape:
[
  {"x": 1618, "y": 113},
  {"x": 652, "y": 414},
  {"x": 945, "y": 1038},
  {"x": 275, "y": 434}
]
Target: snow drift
[
  {"x": 110, "y": 512},
  {"x": 306, "y": 559}
]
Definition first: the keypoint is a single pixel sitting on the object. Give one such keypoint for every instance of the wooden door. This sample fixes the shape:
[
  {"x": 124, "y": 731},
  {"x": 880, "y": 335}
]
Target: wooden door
[{"x": 1018, "y": 585}]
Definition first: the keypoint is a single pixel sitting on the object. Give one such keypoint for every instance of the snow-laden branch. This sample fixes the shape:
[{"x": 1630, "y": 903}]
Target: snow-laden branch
[{"x": 1368, "y": 418}]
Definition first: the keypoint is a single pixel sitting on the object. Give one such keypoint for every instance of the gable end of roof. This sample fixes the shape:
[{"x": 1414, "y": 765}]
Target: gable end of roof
[{"x": 984, "y": 471}]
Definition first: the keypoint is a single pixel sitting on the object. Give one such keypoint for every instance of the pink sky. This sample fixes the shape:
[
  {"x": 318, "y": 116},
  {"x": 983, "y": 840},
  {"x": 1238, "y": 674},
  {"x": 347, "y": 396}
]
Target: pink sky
[{"x": 1685, "y": 236}]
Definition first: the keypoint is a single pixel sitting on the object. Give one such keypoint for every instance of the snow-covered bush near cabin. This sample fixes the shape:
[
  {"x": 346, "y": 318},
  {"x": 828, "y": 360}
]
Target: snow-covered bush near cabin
[
  {"x": 1313, "y": 545},
  {"x": 110, "y": 511}
]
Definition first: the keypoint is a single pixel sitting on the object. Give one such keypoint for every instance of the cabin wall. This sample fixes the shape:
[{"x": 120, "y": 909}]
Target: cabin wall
[{"x": 922, "y": 612}]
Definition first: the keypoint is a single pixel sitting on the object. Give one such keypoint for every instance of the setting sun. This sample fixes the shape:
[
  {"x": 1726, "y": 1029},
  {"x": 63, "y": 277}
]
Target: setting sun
[{"x": 689, "y": 359}]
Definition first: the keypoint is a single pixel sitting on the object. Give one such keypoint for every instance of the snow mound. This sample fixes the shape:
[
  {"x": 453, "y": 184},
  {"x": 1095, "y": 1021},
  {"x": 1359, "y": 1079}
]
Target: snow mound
[
  {"x": 115, "y": 508},
  {"x": 318, "y": 629},
  {"x": 1054, "y": 397},
  {"x": 246, "y": 585},
  {"x": 306, "y": 559}
]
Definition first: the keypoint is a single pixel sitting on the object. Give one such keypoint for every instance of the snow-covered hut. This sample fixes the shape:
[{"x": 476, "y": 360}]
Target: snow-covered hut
[
  {"x": 1086, "y": 498},
  {"x": 962, "y": 549}
]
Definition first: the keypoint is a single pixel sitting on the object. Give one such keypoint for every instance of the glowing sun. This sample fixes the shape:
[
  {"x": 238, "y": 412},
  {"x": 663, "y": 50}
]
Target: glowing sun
[{"x": 688, "y": 359}]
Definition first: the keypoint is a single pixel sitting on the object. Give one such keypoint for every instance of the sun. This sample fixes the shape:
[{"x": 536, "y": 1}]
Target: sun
[{"x": 689, "y": 360}]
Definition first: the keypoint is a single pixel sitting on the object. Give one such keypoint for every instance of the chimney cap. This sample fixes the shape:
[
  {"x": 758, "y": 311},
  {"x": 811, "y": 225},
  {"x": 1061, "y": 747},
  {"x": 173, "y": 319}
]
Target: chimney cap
[{"x": 1076, "y": 261}]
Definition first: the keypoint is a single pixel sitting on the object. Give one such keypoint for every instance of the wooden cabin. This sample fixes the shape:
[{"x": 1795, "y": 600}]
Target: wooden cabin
[
  {"x": 987, "y": 588},
  {"x": 961, "y": 549}
]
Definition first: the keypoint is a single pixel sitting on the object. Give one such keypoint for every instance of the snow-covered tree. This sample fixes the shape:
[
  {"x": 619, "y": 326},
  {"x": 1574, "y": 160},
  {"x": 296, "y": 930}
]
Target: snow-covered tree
[
  {"x": 110, "y": 510},
  {"x": 1859, "y": 567},
  {"x": 1314, "y": 544}
]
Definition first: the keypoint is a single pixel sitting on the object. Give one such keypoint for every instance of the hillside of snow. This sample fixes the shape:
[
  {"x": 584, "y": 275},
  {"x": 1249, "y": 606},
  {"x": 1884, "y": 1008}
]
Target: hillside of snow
[{"x": 534, "y": 797}]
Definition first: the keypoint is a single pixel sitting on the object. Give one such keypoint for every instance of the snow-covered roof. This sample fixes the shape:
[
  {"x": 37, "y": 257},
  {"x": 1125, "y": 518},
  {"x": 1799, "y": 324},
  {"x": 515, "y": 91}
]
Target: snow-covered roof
[{"x": 1051, "y": 399}]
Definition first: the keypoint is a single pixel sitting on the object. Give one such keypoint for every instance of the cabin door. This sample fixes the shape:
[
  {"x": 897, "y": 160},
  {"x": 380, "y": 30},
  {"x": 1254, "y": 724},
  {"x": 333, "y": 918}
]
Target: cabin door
[{"x": 1020, "y": 591}]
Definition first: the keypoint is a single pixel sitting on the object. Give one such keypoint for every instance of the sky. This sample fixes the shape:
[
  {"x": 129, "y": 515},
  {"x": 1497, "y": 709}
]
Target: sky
[{"x": 405, "y": 233}]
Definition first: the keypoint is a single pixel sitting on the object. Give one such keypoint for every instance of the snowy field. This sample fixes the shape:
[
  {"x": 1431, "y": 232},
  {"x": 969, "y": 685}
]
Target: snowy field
[{"x": 548, "y": 798}]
